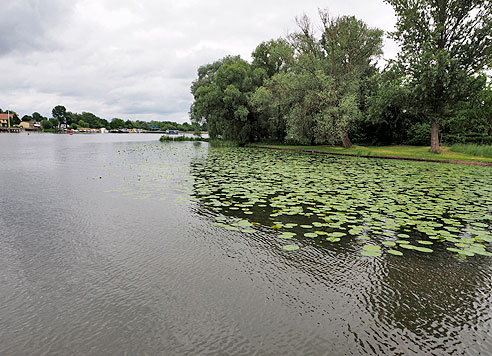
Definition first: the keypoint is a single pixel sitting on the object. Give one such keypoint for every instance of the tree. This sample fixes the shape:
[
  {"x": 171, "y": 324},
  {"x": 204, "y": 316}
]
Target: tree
[
  {"x": 59, "y": 112},
  {"x": 444, "y": 43},
  {"x": 272, "y": 56},
  {"x": 117, "y": 124},
  {"x": 27, "y": 118},
  {"x": 37, "y": 117},
  {"x": 93, "y": 120},
  {"x": 473, "y": 117},
  {"x": 389, "y": 113},
  {"x": 83, "y": 124},
  {"x": 15, "y": 119},
  {"x": 348, "y": 48},
  {"x": 72, "y": 118},
  {"x": 221, "y": 94},
  {"x": 46, "y": 124},
  {"x": 318, "y": 97},
  {"x": 55, "y": 123}
]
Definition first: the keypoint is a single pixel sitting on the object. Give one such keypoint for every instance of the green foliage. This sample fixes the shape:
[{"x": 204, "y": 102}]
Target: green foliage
[
  {"x": 117, "y": 124},
  {"x": 389, "y": 110},
  {"x": 55, "y": 123},
  {"x": 217, "y": 143},
  {"x": 405, "y": 151},
  {"x": 311, "y": 94},
  {"x": 15, "y": 120},
  {"x": 83, "y": 124},
  {"x": 38, "y": 117},
  {"x": 272, "y": 57},
  {"x": 221, "y": 94},
  {"x": 388, "y": 221},
  {"x": 418, "y": 134},
  {"x": 179, "y": 138},
  {"x": 474, "y": 115},
  {"x": 60, "y": 113},
  {"x": 475, "y": 150},
  {"x": 46, "y": 124},
  {"x": 444, "y": 45}
]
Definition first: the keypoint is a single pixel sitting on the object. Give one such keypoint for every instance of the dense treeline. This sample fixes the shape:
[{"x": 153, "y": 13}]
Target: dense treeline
[
  {"x": 323, "y": 87},
  {"x": 88, "y": 120}
]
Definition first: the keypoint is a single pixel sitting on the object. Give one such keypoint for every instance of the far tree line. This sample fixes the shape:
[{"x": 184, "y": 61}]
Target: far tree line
[
  {"x": 320, "y": 84},
  {"x": 86, "y": 120}
]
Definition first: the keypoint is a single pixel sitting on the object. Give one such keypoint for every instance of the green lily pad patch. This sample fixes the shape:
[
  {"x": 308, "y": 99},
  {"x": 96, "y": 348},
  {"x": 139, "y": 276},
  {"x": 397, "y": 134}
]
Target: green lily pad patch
[
  {"x": 290, "y": 247},
  {"x": 310, "y": 234},
  {"x": 371, "y": 253},
  {"x": 395, "y": 252}
]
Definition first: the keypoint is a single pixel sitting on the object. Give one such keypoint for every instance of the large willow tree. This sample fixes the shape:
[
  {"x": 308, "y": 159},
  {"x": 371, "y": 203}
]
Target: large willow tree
[
  {"x": 221, "y": 95},
  {"x": 445, "y": 44},
  {"x": 318, "y": 96}
]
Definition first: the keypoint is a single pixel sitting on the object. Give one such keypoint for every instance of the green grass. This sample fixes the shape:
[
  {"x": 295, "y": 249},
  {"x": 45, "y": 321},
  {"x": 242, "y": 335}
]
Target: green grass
[
  {"x": 213, "y": 142},
  {"x": 222, "y": 143},
  {"x": 474, "y": 150},
  {"x": 165, "y": 138},
  {"x": 421, "y": 152}
]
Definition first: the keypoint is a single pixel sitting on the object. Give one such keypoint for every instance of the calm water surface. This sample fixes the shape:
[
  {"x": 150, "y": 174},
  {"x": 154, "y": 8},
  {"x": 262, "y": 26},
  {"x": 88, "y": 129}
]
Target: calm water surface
[{"x": 107, "y": 247}]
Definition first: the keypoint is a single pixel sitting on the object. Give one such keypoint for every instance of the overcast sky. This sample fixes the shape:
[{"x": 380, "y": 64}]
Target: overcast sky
[{"x": 136, "y": 59}]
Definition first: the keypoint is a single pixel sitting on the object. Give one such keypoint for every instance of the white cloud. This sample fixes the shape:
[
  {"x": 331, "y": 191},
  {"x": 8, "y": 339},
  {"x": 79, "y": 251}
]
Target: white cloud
[{"x": 137, "y": 59}]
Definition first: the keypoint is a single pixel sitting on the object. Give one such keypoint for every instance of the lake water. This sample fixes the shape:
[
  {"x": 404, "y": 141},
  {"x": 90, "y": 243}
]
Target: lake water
[{"x": 120, "y": 244}]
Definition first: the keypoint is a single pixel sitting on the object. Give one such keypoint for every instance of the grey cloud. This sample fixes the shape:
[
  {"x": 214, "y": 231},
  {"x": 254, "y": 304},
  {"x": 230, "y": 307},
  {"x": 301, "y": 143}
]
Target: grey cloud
[
  {"x": 26, "y": 25},
  {"x": 133, "y": 58}
]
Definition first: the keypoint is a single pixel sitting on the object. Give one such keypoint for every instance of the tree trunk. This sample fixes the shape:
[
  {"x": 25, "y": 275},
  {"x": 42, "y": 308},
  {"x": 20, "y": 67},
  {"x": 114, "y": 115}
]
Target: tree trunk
[
  {"x": 346, "y": 141},
  {"x": 435, "y": 138}
]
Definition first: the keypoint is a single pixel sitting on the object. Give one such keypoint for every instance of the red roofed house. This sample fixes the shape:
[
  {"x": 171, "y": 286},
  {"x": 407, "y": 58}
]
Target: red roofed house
[{"x": 4, "y": 119}]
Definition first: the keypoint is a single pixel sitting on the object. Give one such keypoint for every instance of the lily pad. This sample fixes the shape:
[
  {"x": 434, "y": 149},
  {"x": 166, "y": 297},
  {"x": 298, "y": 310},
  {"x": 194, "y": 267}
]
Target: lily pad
[
  {"x": 372, "y": 248},
  {"x": 395, "y": 252},
  {"x": 370, "y": 253},
  {"x": 333, "y": 239},
  {"x": 310, "y": 234},
  {"x": 423, "y": 249}
]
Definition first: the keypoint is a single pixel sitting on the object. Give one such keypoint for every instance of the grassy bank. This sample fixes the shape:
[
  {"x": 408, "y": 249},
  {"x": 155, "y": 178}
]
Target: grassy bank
[
  {"x": 405, "y": 152},
  {"x": 213, "y": 142},
  {"x": 474, "y": 150},
  {"x": 165, "y": 138}
]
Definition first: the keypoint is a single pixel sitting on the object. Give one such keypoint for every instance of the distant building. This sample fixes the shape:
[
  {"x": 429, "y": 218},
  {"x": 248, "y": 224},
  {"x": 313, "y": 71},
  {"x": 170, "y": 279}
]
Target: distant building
[
  {"x": 27, "y": 125},
  {"x": 4, "y": 119},
  {"x": 30, "y": 125}
]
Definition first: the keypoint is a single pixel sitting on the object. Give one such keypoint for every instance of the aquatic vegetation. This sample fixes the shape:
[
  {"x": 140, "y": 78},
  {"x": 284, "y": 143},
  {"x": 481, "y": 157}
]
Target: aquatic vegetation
[
  {"x": 290, "y": 247},
  {"x": 178, "y": 138},
  {"x": 385, "y": 205}
]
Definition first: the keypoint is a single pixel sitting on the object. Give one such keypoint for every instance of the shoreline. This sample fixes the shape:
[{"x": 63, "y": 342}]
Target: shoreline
[{"x": 313, "y": 151}]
